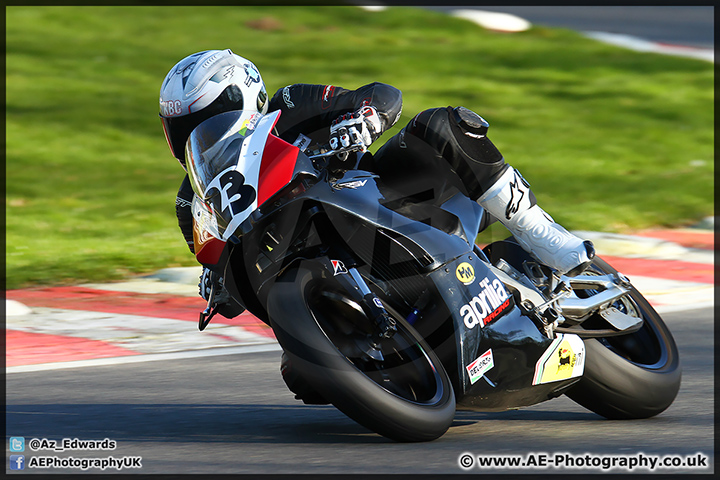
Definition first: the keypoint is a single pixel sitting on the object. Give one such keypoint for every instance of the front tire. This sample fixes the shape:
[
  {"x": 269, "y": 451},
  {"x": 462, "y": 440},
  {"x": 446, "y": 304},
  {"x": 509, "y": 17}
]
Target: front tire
[
  {"x": 403, "y": 394},
  {"x": 630, "y": 376}
]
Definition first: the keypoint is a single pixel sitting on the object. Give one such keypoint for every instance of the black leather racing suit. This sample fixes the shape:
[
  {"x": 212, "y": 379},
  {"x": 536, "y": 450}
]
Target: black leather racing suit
[{"x": 435, "y": 155}]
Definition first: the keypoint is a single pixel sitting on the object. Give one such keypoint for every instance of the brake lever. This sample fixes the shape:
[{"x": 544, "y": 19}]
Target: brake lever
[{"x": 319, "y": 153}]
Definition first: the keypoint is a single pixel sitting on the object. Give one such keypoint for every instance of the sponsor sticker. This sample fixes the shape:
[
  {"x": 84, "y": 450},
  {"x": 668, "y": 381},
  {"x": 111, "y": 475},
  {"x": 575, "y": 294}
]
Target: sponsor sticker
[
  {"x": 252, "y": 75},
  {"x": 302, "y": 142},
  {"x": 480, "y": 366},
  {"x": 352, "y": 184},
  {"x": 486, "y": 306},
  {"x": 171, "y": 108},
  {"x": 465, "y": 273},
  {"x": 249, "y": 124},
  {"x": 338, "y": 267},
  {"x": 564, "y": 359}
]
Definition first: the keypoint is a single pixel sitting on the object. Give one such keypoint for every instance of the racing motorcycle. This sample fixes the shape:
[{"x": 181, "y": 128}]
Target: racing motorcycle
[{"x": 390, "y": 312}]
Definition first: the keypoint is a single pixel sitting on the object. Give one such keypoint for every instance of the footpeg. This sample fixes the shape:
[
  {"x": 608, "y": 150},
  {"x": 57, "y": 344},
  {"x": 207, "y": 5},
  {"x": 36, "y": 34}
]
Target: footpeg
[
  {"x": 209, "y": 312},
  {"x": 619, "y": 320}
]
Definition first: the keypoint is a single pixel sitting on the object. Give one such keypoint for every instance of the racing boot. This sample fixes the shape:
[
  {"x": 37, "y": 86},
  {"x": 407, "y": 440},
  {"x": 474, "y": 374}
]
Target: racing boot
[{"x": 511, "y": 201}]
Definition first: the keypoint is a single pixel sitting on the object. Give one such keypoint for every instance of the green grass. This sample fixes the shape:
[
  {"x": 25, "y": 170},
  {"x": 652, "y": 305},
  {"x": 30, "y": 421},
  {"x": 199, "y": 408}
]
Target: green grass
[{"x": 610, "y": 139}]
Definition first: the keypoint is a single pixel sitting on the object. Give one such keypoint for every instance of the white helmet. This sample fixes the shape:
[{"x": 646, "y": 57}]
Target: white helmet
[{"x": 201, "y": 86}]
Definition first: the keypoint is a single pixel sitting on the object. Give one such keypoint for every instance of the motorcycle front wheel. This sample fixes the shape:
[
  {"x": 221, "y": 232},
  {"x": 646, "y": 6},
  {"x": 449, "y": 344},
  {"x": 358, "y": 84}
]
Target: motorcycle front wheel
[
  {"x": 398, "y": 389},
  {"x": 629, "y": 376}
]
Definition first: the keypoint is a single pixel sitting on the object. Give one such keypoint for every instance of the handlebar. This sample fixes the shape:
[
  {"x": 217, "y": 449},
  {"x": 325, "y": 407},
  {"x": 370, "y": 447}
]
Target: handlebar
[{"x": 325, "y": 151}]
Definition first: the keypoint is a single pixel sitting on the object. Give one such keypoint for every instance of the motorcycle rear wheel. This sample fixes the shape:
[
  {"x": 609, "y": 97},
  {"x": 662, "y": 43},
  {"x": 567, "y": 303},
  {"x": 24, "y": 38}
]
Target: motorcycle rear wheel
[
  {"x": 406, "y": 396},
  {"x": 629, "y": 376}
]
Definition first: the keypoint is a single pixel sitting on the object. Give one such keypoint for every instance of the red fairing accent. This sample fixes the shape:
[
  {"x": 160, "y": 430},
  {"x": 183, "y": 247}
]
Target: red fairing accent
[
  {"x": 210, "y": 251},
  {"x": 277, "y": 167}
]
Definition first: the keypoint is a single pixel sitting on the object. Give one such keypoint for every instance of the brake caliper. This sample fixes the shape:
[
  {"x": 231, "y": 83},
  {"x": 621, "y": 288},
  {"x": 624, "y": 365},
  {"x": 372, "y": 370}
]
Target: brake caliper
[{"x": 385, "y": 323}]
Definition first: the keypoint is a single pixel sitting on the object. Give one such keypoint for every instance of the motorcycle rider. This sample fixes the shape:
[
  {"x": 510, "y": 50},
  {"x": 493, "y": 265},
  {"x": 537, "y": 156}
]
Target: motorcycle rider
[{"x": 439, "y": 152}]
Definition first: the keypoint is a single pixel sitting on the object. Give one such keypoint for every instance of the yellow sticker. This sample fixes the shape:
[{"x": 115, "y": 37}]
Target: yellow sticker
[
  {"x": 565, "y": 358},
  {"x": 465, "y": 273}
]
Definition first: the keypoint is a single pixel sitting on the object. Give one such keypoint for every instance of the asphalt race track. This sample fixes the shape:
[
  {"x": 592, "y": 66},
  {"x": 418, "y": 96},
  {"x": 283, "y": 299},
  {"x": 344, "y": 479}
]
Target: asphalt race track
[
  {"x": 690, "y": 26},
  {"x": 233, "y": 414}
]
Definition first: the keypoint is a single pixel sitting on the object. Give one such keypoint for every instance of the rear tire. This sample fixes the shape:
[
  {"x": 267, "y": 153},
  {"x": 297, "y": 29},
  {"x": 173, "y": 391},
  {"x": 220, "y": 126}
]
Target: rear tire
[
  {"x": 630, "y": 376},
  {"x": 406, "y": 397}
]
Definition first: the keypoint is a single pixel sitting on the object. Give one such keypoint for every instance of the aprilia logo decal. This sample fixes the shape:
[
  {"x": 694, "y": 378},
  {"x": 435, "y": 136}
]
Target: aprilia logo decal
[{"x": 487, "y": 305}]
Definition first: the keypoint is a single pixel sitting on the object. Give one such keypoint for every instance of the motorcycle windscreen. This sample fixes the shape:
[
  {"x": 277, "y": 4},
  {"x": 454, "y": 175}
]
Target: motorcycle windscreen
[{"x": 225, "y": 161}]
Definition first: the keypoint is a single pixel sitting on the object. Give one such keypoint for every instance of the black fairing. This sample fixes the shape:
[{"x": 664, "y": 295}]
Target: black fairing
[{"x": 410, "y": 256}]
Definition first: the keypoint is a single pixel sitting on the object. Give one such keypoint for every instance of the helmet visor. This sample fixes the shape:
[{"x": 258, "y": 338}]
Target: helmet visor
[{"x": 177, "y": 129}]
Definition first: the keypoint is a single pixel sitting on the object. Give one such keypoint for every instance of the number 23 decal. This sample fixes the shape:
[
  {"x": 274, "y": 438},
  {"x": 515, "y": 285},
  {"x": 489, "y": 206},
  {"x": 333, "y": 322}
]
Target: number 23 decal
[{"x": 232, "y": 182}]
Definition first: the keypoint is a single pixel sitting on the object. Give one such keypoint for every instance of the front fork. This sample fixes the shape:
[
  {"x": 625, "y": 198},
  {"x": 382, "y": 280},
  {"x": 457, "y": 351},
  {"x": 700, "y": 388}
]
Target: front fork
[
  {"x": 373, "y": 307},
  {"x": 355, "y": 285}
]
